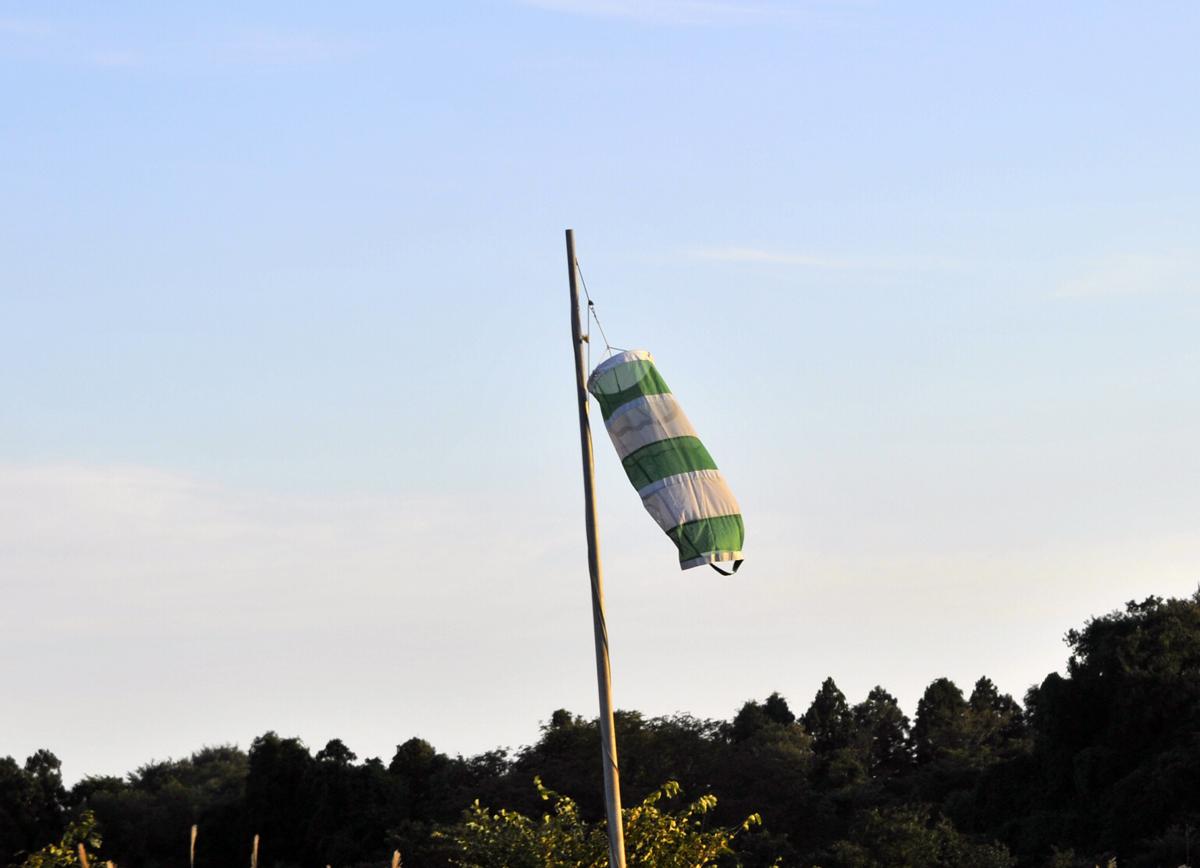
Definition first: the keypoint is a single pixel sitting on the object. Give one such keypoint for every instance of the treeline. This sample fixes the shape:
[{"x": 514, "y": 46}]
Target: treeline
[{"x": 1102, "y": 762}]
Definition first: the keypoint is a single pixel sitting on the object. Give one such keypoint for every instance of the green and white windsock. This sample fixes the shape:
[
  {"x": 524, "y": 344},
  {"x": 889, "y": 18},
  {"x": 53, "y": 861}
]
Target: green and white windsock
[{"x": 677, "y": 479}]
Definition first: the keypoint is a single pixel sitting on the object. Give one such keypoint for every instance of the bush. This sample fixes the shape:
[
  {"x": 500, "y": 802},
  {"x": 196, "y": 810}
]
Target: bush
[{"x": 562, "y": 839}]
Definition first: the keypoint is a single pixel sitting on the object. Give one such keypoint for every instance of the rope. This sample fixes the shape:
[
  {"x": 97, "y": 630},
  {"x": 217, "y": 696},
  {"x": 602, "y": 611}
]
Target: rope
[{"x": 592, "y": 315}]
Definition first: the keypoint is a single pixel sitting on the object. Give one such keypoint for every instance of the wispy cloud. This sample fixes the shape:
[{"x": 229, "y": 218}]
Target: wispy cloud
[
  {"x": 117, "y": 59},
  {"x": 288, "y": 49},
  {"x": 25, "y": 27},
  {"x": 149, "y": 590},
  {"x": 46, "y": 41},
  {"x": 771, "y": 257},
  {"x": 135, "y": 537},
  {"x": 678, "y": 12},
  {"x": 748, "y": 255},
  {"x": 1132, "y": 274}
]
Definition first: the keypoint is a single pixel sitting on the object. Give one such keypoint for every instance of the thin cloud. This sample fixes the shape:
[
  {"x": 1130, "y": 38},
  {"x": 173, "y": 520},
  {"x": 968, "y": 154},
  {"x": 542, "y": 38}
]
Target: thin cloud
[
  {"x": 134, "y": 537},
  {"x": 162, "y": 586},
  {"x": 289, "y": 49},
  {"x": 1132, "y": 274},
  {"x": 678, "y": 12},
  {"x": 117, "y": 59},
  {"x": 25, "y": 27},
  {"x": 46, "y": 41},
  {"x": 794, "y": 259},
  {"x": 770, "y": 257}
]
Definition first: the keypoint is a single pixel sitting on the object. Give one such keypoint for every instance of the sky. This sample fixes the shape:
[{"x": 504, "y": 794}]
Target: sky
[{"x": 287, "y": 426}]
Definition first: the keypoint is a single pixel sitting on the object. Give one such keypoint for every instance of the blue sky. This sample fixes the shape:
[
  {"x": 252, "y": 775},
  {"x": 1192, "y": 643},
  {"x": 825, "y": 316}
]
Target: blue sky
[{"x": 287, "y": 437}]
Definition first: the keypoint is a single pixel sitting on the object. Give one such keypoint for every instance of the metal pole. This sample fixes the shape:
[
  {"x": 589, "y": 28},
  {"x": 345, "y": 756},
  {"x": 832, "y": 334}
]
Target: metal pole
[{"x": 608, "y": 739}]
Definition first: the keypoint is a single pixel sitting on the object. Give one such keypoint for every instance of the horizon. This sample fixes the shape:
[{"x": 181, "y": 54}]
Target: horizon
[{"x": 796, "y": 707}]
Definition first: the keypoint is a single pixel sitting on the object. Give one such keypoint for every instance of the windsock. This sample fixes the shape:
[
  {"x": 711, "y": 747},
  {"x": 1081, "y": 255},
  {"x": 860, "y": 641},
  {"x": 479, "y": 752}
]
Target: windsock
[{"x": 675, "y": 476}]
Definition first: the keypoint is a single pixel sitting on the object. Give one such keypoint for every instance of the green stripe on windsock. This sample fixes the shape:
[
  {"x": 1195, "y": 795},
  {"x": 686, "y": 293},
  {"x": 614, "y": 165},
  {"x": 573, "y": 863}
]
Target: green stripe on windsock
[
  {"x": 697, "y": 540},
  {"x": 674, "y": 474},
  {"x": 644, "y": 379},
  {"x": 664, "y": 458}
]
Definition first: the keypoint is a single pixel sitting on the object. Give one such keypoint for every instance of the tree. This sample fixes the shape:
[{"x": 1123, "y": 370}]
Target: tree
[
  {"x": 350, "y": 808},
  {"x": 828, "y": 719},
  {"x": 145, "y": 817},
  {"x": 883, "y": 733},
  {"x": 940, "y": 729},
  {"x": 776, "y": 709},
  {"x": 1117, "y": 755},
  {"x": 32, "y": 804},
  {"x": 336, "y": 752},
  {"x": 995, "y": 723},
  {"x": 750, "y": 719},
  {"x": 276, "y": 798}
]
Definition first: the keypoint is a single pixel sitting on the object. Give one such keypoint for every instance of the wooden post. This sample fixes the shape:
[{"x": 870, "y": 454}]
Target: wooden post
[{"x": 608, "y": 739}]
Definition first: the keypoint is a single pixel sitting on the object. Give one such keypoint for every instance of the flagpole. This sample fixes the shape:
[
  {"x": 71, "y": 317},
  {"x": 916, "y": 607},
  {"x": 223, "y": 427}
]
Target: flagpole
[{"x": 608, "y": 739}]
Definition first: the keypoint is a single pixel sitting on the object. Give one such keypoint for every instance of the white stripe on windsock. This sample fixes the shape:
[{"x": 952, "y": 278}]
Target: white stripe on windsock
[
  {"x": 688, "y": 497},
  {"x": 647, "y": 420}
]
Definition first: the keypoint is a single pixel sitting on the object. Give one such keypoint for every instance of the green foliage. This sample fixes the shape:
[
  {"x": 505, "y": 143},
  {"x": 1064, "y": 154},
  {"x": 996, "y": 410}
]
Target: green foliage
[
  {"x": 1115, "y": 745},
  {"x": 32, "y": 804},
  {"x": 995, "y": 724},
  {"x": 828, "y": 719},
  {"x": 654, "y": 837},
  {"x": 882, "y": 733},
  {"x": 146, "y": 817},
  {"x": 907, "y": 837},
  {"x": 777, "y": 710},
  {"x": 941, "y": 726},
  {"x": 65, "y": 853}
]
